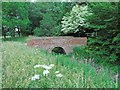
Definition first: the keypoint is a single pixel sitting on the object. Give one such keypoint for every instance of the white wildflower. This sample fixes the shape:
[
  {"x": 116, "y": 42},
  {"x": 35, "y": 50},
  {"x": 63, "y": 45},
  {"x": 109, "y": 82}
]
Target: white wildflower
[
  {"x": 57, "y": 72},
  {"x": 59, "y": 75},
  {"x": 52, "y": 65},
  {"x": 46, "y": 67},
  {"x": 36, "y": 66},
  {"x": 45, "y": 72},
  {"x": 35, "y": 77}
]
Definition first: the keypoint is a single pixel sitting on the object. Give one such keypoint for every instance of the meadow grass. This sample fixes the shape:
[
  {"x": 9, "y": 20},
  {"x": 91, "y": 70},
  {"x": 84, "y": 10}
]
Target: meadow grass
[
  {"x": 16, "y": 39},
  {"x": 18, "y": 69},
  {"x": 82, "y": 54}
]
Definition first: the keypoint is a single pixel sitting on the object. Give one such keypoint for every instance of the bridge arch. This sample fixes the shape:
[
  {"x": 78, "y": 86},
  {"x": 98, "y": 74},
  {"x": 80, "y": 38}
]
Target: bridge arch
[{"x": 58, "y": 50}]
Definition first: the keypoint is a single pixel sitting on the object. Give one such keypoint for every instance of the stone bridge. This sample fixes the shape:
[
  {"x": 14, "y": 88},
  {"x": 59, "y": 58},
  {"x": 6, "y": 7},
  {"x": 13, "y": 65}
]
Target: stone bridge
[{"x": 49, "y": 43}]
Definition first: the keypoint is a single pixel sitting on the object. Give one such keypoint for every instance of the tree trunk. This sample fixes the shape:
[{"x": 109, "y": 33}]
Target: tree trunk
[{"x": 19, "y": 32}]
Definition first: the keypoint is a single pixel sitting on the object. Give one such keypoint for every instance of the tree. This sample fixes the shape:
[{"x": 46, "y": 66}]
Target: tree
[
  {"x": 52, "y": 17},
  {"x": 47, "y": 17},
  {"x": 104, "y": 21},
  {"x": 75, "y": 20},
  {"x": 35, "y": 15},
  {"x": 15, "y": 14}
]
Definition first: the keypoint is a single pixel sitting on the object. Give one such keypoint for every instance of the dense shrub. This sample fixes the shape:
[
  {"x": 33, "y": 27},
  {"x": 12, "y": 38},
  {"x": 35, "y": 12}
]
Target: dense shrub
[
  {"x": 104, "y": 21},
  {"x": 38, "y": 32}
]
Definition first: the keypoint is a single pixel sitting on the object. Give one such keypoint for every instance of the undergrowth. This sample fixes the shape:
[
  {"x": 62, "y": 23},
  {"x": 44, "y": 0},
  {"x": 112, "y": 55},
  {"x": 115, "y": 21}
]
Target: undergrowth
[{"x": 18, "y": 69}]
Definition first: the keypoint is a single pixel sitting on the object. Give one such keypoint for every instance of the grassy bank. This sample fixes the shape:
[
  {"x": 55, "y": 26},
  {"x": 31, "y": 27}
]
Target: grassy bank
[
  {"x": 19, "y": 62},
  {"x": 16, "y": 39},
  {"x": 84, "y": 55}
]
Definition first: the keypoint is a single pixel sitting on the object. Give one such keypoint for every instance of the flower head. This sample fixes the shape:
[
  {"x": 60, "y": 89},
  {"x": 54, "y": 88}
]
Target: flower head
[
  {"x": 35, "y": 77},
  {"x": 59, "y": 75},
  {"x": 46, "y": 67},
  {"x": 36, "y": 66},
  {"x": 45, "y": 72},
  {"x": 52, "y": 65},
  {"x": 57, "y": 72}
]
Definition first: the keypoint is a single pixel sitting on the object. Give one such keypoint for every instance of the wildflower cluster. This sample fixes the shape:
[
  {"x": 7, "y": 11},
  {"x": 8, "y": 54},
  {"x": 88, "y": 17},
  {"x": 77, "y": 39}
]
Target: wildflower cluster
[
  {"x": 35, "y": 77},
  {"x": 58, "y": 74},
  {"x": 46, "y": 71}
]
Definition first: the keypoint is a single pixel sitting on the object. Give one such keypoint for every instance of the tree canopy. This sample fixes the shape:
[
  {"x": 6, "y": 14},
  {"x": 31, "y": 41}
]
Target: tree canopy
[
  {"x": 104, "y": 21},
  {"x": 15, "y": 14},
  {"x": 75, "y": 20}
]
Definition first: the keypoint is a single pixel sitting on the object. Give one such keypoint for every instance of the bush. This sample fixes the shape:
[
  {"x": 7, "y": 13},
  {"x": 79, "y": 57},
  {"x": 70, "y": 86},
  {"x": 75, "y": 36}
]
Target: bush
[
  {"x": 83, "y": 53},
  {"x": 57, "y": 31},
  {"x": 38, "y": 32}
]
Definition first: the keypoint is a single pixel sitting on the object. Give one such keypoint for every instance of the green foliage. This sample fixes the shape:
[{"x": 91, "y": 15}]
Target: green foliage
[
  {"x": 104, "y": 14},
  {"x": 47, "y": 16},
  {"x": 57, "y": 31},
  {"x": 38, "y": 32},
  {"x": 82, "y": 54},
  {"x": 15, "y": 14},
  {"x": 104, "y": 21},
  {"x": 75, "y": 20},
  {"x": 29, "y": 16}
]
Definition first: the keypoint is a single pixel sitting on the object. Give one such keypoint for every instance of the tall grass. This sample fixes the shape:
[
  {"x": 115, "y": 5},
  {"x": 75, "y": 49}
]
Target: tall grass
[
  {"x": 84, "y": 55},
  {"x": 18, "y": 69},
  {"x": 16, "y": 39}
]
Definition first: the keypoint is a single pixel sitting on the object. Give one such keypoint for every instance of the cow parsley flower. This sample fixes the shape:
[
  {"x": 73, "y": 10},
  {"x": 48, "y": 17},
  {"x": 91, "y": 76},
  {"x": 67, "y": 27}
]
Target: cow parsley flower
[
  {"x": 57, "y": 72},
  {"x": 35, "y": 77},
  {"x": 52, "y": 65},
  {"x": 45, "y": 72},
  {"x": 59, "y": 75},
  {"x": 46, "y": 67},
  {"x": 36, "y": 66}
]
